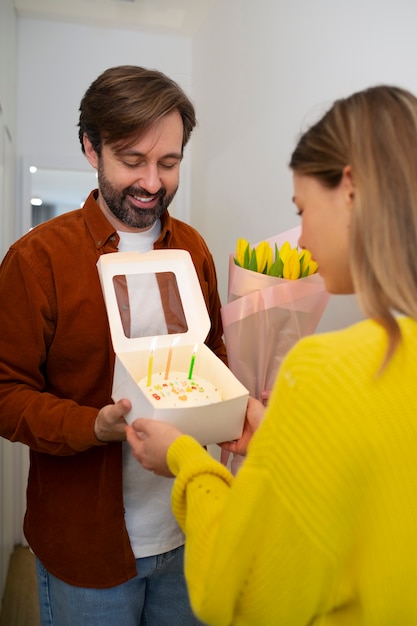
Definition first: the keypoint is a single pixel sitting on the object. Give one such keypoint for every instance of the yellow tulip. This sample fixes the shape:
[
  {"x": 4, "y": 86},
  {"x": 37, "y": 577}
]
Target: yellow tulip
[
  {"x": 242, "y": 248},
  {"x": 292, "y": 265},
  {"x": 308, "y": 266},
  {"x": 313, "y": 267},
  {"x": 284, "y": 250},
  {"x": 263, "y": 257}
]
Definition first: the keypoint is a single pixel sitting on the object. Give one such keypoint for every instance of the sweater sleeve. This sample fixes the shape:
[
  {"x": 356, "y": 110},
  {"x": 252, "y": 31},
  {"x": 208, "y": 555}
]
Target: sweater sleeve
[{"x": 247, "y": 561}]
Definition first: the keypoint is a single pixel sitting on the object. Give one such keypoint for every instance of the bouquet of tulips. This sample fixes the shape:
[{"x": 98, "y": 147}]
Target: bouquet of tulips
[
  {"x": 288, "y": 262},
  {"x": 275, "y": 296}
]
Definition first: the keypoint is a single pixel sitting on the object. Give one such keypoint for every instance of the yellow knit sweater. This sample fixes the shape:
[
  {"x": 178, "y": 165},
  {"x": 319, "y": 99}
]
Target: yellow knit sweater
[{"x": 320, "y": 525}]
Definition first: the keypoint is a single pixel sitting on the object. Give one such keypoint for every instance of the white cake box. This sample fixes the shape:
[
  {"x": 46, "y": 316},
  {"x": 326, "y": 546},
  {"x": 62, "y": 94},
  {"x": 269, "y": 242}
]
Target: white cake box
[{"x": 211, "y": 423}]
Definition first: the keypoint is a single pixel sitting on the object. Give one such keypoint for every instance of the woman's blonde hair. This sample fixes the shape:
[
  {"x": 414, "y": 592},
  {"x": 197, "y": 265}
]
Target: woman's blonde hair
[{"x": 375, "y": 132}]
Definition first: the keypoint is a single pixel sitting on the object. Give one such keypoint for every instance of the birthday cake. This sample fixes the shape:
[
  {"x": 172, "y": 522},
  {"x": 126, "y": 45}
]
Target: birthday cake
[{"x": 178, "y": 391}]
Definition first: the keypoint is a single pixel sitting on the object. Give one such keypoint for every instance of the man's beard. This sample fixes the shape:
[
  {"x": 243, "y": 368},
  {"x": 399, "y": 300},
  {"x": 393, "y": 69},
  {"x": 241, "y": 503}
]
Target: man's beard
[{"x": 120, "y": 206}]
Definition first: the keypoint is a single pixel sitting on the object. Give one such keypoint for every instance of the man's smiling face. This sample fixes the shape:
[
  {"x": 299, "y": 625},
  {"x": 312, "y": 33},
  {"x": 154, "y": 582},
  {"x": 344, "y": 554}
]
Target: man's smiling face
[{"x": 137, "y": 184}]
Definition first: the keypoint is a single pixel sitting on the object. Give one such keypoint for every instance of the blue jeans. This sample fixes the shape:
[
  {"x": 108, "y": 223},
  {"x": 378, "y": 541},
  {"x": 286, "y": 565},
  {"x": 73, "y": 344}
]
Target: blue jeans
[{"x": 157, "y": 596}]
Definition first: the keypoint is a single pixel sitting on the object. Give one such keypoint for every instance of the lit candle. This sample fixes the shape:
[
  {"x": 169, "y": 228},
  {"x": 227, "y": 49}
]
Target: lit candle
[
  {"x": 150, "y": 362},
  {"x": 190, "y": 371},
  {"x": 169, "y": 359}
]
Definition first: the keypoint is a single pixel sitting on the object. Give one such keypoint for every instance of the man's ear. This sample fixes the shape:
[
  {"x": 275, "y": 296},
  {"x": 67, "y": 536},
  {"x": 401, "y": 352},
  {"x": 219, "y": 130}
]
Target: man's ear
[{"x": 90, "y": 153}]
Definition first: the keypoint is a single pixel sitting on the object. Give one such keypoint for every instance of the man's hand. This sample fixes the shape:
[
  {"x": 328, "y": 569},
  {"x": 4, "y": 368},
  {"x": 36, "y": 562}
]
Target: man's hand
[
  {"x": 254, "y": 414},
  {"x": 110, "y": 423},
  {"x": 150, "y": 440}
]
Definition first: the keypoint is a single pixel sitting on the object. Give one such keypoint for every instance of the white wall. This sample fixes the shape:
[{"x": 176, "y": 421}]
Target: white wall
[
  {"x": 56, "y": 64},
  {"x": 261, "y": 72},
  {"x": 8, "y": 80},
  {"x": 8, "y": 95}
]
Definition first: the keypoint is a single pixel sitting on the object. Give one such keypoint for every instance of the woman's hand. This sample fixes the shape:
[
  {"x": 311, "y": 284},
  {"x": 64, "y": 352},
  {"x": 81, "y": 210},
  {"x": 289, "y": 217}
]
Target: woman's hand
[
  {"x": 149, "y": 440},
  {"x": 254, "y": 414}
]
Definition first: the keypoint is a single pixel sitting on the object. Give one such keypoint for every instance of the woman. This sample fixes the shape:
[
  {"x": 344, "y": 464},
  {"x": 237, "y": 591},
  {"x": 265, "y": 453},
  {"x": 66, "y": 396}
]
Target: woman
[{"x": 319, "y": 526}]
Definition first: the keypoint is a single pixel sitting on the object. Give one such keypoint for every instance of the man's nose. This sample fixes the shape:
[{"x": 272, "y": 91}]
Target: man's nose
[{"x": 149, "y": 178}]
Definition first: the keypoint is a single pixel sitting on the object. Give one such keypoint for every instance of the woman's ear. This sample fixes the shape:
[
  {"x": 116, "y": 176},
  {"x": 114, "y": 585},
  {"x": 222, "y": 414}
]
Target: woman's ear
[
  {"x": 89, "y": 151},
  {"x": 348, "y": 183}
]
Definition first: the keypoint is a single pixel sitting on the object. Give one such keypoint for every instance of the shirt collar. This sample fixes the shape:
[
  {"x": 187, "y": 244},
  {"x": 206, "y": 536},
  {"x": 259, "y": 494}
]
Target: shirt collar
[{"x": 101, "y": 230}]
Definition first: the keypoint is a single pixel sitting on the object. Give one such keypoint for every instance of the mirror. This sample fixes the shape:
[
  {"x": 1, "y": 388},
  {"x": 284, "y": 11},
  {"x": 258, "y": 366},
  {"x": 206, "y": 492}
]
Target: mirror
[
  {"x": 57, "y": 191},
  {"x": 63, "y": 183}
]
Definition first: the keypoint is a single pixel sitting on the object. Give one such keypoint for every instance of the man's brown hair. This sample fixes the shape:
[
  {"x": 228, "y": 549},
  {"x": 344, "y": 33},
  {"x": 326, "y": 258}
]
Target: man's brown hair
[{"x": 121, "y": 104}]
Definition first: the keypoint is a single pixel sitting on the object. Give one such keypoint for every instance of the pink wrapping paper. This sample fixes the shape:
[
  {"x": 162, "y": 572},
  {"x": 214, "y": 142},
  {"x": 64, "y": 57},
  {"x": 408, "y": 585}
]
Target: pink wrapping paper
[{"x": 265, "y": 316}]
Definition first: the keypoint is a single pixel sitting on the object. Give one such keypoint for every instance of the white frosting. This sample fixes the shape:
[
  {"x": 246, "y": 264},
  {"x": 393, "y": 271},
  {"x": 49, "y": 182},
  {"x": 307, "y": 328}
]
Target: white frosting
[{"x": 177, "y": 391}]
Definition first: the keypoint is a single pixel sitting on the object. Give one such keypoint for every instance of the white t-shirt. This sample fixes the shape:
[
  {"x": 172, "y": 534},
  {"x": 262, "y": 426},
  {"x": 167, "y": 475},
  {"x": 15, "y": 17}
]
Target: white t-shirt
[{"x": 150, "y": 523}]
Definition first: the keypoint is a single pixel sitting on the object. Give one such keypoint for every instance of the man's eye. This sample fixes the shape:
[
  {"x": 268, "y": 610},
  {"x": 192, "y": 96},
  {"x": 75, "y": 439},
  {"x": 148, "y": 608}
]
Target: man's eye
[
  {"x": 168, "y": 166},
  {"x": 129, "y": 164}
]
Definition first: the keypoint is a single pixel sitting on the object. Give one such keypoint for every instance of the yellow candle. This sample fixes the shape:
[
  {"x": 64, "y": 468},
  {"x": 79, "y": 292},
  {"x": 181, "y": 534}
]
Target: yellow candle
[{"x": 150, "y": 363}]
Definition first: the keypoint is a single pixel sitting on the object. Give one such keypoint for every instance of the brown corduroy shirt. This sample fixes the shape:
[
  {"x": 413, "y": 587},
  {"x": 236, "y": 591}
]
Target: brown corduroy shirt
[{"x": 56, "y": 368}]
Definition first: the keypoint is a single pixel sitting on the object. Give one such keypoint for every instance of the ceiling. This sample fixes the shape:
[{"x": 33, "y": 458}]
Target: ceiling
[{"x": 176, "y": 17}]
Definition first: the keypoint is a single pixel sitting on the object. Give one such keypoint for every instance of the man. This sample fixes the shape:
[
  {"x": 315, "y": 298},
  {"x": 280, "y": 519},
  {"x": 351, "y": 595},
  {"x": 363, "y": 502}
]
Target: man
[{"x": 107, "y": 547}]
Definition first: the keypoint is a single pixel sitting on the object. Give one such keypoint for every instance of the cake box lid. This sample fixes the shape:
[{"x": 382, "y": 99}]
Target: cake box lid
[{"x": 164, "y": 262}]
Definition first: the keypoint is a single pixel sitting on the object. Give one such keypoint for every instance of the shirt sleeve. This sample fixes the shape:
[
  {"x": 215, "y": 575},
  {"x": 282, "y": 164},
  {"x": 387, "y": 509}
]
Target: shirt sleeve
[{"x": 28, "y": 413}]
